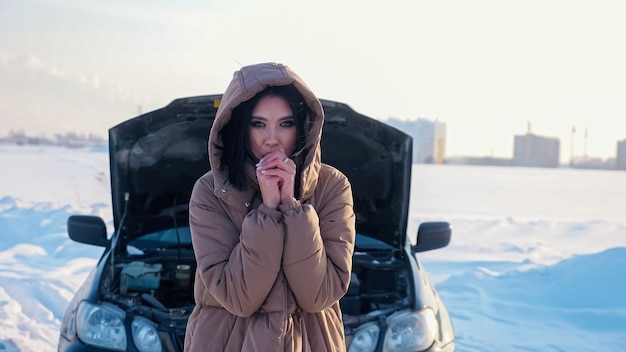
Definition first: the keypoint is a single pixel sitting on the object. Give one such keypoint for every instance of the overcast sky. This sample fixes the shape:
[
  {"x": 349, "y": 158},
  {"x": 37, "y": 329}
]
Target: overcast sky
[{"x": 488, "y": 69}]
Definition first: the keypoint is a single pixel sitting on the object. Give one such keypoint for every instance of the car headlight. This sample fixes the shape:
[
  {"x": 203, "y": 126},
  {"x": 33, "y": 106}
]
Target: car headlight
[
  {"x": 411, "y": 331},
  {"x": 145, "y": 335},
  {"x": 101, "y": 325},
  {"x": 365, "y": 339}
]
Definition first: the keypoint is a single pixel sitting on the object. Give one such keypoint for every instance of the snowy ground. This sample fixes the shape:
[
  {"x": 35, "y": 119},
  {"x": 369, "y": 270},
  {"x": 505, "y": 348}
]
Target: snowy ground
[{"x": 536, "y": 261}]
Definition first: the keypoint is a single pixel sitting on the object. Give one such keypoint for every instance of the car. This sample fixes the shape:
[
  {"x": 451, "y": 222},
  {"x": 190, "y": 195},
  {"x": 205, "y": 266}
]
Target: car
[{"x": 140, "y": 294}]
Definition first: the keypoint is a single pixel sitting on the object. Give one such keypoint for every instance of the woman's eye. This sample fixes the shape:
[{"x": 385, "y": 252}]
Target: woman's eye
[
  {"x": 288, "y": 123},
  {"x": 257, "y": 124}
]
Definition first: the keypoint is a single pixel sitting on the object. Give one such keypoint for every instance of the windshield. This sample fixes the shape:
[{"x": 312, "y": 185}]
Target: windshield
[
  {"x": 166, "y": 239},
  {"x": 365, "y": 243}
]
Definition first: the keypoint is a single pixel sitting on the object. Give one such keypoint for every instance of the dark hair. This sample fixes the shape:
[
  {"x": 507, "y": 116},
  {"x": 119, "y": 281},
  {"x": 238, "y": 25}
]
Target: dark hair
[{"x": 236, "y": 139}]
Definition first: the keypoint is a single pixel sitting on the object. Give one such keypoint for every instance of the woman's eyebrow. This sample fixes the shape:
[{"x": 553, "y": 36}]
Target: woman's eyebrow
[{"x": 288, "y": 117}]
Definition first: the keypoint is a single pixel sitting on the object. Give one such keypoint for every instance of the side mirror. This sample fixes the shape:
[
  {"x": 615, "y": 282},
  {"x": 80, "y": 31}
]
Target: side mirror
[
  {"x": 87, "y": 229},
  {"x": 432, "y": 235}
]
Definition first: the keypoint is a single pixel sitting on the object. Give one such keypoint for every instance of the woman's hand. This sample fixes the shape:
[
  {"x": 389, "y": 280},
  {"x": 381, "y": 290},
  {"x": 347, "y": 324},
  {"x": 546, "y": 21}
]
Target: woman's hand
[{"x": 276, "y": 175}]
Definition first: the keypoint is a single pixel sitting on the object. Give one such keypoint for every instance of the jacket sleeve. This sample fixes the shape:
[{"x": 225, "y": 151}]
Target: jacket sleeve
[
  {"x": 317, "y": 257},
  {"x": 237, "y": 269}
]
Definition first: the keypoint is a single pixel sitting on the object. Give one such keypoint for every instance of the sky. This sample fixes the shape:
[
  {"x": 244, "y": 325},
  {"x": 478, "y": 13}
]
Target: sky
[
  {"x": 542, "y": 273},
  {"x": 489, "y": 69}
]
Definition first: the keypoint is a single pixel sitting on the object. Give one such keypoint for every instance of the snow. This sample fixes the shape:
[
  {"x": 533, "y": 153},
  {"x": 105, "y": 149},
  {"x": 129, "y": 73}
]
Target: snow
[{"x": 536, "y": 261}]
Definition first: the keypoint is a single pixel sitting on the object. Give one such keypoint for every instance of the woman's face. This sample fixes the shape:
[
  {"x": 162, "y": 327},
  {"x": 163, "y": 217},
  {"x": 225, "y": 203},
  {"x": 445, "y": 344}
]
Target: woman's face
[{"x": 272, "y": 127}]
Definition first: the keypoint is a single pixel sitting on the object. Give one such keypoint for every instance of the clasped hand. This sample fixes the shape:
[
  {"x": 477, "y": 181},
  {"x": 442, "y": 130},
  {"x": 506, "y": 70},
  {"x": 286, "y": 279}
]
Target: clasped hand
[{"x": 276, "y": 174}]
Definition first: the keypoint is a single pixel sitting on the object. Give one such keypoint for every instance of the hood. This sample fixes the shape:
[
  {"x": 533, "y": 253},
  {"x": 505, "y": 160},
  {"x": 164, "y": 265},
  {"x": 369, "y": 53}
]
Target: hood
[
  {"x": 155, "y": 159},
  {"x": 248, "y": 82}
]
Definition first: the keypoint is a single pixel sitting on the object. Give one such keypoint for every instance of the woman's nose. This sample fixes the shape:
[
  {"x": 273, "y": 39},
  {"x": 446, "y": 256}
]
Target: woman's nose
[{"x": 272, "y": 136}]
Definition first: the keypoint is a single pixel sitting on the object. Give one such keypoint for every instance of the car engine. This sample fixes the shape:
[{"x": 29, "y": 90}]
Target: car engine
[
  {"x": 379, "y": 286},
  {"x": 160, "y": 287}
]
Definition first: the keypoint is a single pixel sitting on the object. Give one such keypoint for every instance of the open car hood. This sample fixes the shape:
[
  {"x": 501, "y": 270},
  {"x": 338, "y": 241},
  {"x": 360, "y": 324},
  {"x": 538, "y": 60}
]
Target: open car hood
[{"x": 156, "y": 158}]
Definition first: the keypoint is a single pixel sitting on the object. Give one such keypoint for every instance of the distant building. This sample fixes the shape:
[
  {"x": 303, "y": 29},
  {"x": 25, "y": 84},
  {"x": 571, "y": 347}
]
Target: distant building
[
  {"x": 479, "y": 160},
  {"x": 423, "y": 141},
  {"x": 70, "y": 139},
  {"x": 593, "y": 163},
  {"x": 429, "y": 139},
  {"x": 620, "y": 159},
  {"x": 440, "y": 142},
  {"x": 536, "y": 151}
]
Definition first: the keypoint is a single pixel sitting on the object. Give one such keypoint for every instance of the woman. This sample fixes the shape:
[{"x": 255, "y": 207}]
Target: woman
[{"x": 272, "y": 227}]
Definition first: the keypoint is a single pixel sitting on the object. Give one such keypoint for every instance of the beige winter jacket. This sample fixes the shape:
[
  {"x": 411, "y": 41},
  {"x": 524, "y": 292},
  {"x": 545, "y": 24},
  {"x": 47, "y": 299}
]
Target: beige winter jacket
[{"x": 270, "y": 280}]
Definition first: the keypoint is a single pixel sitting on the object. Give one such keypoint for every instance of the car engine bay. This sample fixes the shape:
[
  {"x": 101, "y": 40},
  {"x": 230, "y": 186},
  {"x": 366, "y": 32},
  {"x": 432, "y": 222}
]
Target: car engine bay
[{"x": 159, "y": 285}]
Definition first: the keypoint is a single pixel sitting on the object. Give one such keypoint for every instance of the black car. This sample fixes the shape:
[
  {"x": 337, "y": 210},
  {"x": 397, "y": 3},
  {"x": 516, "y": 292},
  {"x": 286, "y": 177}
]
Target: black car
[{"x": 140, "y": 294}]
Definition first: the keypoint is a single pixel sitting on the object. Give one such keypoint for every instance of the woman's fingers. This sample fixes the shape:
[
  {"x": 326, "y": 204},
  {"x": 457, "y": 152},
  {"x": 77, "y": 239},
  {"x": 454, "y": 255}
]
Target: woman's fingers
[
  {"x": 279, "y": 170},
  {"x": 277, "y": 160}
]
